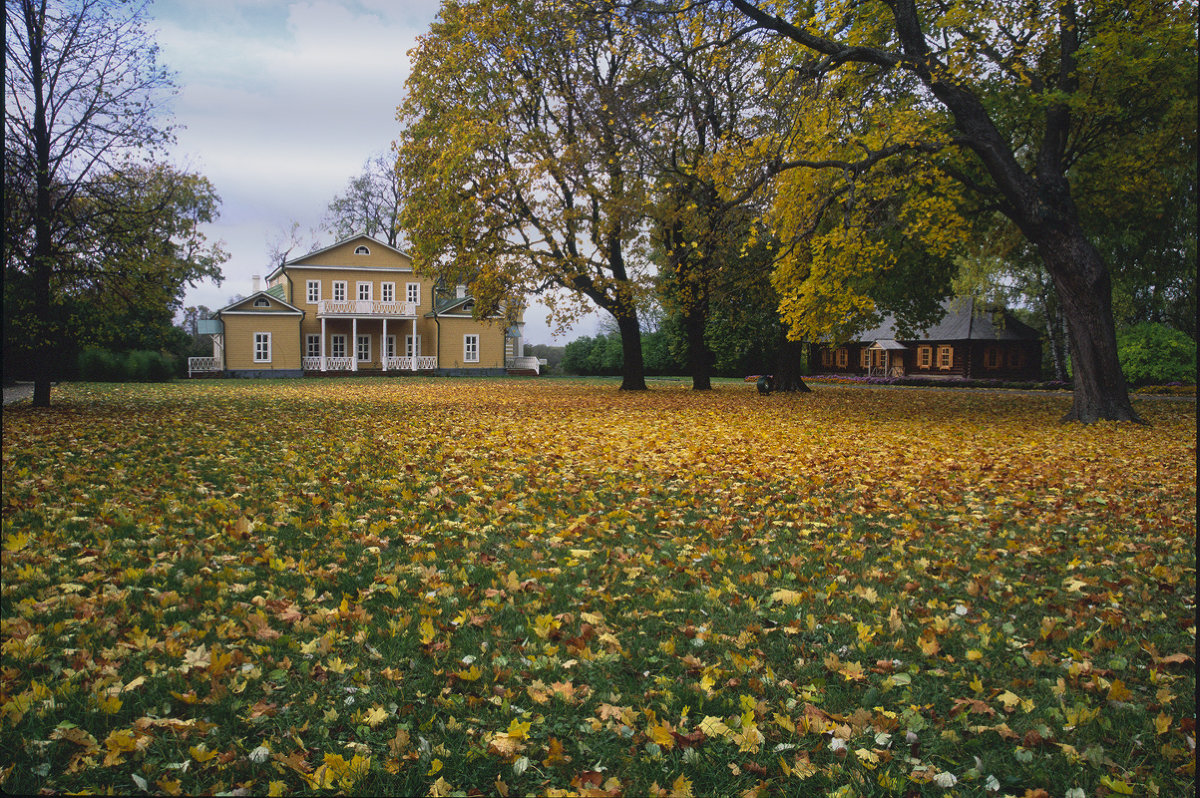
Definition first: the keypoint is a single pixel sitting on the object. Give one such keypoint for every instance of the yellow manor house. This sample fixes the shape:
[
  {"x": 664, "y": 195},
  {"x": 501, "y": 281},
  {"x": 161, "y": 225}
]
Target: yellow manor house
[{"x": 357, "y": 306}]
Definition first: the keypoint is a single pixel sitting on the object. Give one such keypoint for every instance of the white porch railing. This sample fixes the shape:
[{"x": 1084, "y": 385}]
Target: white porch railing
[
  {"x": 202, "y": 365},
  {"x": 409, "y": 363},
  {"x": 365, "y": 307},
  {"x": 338, "y": 363},
  {"x": 524, "y": 363}
]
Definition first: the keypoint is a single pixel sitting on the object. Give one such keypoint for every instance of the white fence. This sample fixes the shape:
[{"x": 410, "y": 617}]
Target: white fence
[
  {"x": 524, "y": 363},
  {"x": 202, "y": 365}
]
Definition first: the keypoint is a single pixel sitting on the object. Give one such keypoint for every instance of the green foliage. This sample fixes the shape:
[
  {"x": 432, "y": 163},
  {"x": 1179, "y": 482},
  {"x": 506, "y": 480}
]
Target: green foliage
[
  {"x": 139, "y": 365},
  {"x": 1155, "y": 354},
  {"x": 602, "y": 356}
]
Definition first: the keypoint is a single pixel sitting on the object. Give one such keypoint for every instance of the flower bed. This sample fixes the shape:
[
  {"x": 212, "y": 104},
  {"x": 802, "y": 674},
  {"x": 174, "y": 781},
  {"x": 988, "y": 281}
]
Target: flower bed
[{"x": 935, "y": 382}]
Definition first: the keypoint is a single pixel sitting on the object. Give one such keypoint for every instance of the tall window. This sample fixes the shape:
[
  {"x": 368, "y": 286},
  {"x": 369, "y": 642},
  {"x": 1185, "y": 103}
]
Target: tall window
[
  {"x": 312, "y": 345},
  {"x": 843, "y": 357},
  {"x": 262, "y": 347},
  {"x": 470, "y": 348},
  {"x": 924, "y": 357},
  {"x": 364, "y": 348},
  {"x": 864, "y": 358},
  {"x": 826, "y": 357},
  {"x": 339, "y": 290},
  {"x": 945, "y": 357},
  {"x": 414, "y": 293},
  {"x": 389, "y": 346},
  {"x": 992, "y": 357},
  {"x": 337, "y": 345},
  {"x": 313, "y": 288},
  {"x": 364, "y": 291},
  {"x": 387, "y": 292},
  {"x": 411, "y": 348}
]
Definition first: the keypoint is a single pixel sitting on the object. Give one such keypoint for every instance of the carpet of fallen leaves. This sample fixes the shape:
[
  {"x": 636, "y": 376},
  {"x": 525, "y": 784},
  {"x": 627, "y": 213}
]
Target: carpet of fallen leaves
[{"x": 516, "y": 586}]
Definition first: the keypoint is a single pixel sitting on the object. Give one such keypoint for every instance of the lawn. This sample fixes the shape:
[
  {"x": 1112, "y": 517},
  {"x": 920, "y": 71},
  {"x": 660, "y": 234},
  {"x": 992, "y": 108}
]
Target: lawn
[{"x": 437, "y": 586}]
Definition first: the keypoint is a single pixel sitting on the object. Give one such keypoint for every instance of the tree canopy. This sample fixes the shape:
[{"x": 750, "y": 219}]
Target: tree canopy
[
  {"x": 517, "y": 178},
  {"x": 90, "y": 214},
  {"x": 938, "y": 116}
]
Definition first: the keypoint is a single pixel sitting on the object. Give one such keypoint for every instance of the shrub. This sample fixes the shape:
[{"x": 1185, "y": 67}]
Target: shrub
[
  {"x": 101, "y": 365},
  {"x": 1153, "y": 354}
]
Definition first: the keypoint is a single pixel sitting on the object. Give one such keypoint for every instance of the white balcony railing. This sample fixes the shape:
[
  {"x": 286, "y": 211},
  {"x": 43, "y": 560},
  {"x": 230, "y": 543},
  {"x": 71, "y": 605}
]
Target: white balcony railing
[
  {"x": 365, "y": 307},
  {"x": 202, "y": 365},
  {"x": 339, "y": 363}
]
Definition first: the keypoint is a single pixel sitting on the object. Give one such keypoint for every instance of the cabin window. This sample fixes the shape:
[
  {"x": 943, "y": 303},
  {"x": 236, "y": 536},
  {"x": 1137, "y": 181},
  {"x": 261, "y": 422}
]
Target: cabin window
[
  {"x": 387, "y": 292},
  {"x": 877, "y": 358},
  {"x": 339, "y": 290},
  {"x": 312, "y": 345},
  {"x": 413, "y": 292},
  {"x": 1016, "y": 358},
  {"x": 361, "y": 250},
  {"x": 924, "y": 357},
  {"x": 412, "y": 348},
  {"x": 864, "y": 358},
  {"x": 471, "y": 348},
  {"x": 262, "y": 347},
  {"x": 364, "y": 291},
  {"x": 992, "y": 357},
  {"x": 827, "y": 357},
  {"x": 337, "y": 345},
  {"x": 843, "y": 357},
  {"x": 313, "y": 288},
  {"x": 945, "y": 357},
  {"x": 262, "y": 302}
]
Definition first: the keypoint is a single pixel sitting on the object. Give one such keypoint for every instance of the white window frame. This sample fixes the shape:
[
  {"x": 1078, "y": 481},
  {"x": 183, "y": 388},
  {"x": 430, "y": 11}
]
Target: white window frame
[
  {"x": 262, "y": 347},
  {"x": 387, "y": 292},
  {"x": 312, "y": 345},
  {"x": 362, "y": 250},
  {"x": 339, "y": 290},
  {"x": 337, "y": 345},
  {"x": 363, "y": 291},
  {"x": 313, "y": 290},
  {"x": 408, "y": 346},
  {"x": 389, "y": 346},
  {"x": 359, "y": 348},
  {"x": 471, "y": 348},
  {"x": 412, "y": 292}
]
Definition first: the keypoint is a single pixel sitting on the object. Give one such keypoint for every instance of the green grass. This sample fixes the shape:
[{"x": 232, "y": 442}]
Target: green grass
[{"x": 561, "y": 588}]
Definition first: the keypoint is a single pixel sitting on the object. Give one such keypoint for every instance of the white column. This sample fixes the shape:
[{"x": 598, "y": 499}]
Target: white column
[
  {"x": 383, "y": 344},
  {"x": 354, "y": 344},
  {"x": 324, "y": 360},
  {"x": 414, "y": 348}
]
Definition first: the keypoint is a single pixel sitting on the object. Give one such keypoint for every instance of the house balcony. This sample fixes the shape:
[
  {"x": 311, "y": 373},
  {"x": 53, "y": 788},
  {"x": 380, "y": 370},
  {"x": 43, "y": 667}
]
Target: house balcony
[
  {"x": 419, "y": 363},
  {"x": 365, "y": 309}
]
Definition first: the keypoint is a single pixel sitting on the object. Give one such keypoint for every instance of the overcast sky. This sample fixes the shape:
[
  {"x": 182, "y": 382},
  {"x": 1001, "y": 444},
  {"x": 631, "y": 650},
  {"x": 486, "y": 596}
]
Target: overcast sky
[{"x": 280, "y": 103}]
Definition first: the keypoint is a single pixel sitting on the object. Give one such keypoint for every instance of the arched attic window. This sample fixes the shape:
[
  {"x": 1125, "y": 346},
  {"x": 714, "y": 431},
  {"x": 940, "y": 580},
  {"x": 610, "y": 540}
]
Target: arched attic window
[
  {"x": 262, "y": 302},
  {"x": 362, "y": 250}
]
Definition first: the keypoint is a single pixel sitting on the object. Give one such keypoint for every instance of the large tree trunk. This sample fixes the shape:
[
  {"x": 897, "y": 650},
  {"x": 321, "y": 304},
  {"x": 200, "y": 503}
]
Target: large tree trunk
[
  {"x": 699, "y": 356},
  {"x": 788, "y": 368},
  {"x": 633, "y": 372},
  {"x": 44, "y": 333},
  {"x": 1084, "y": 290}
]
